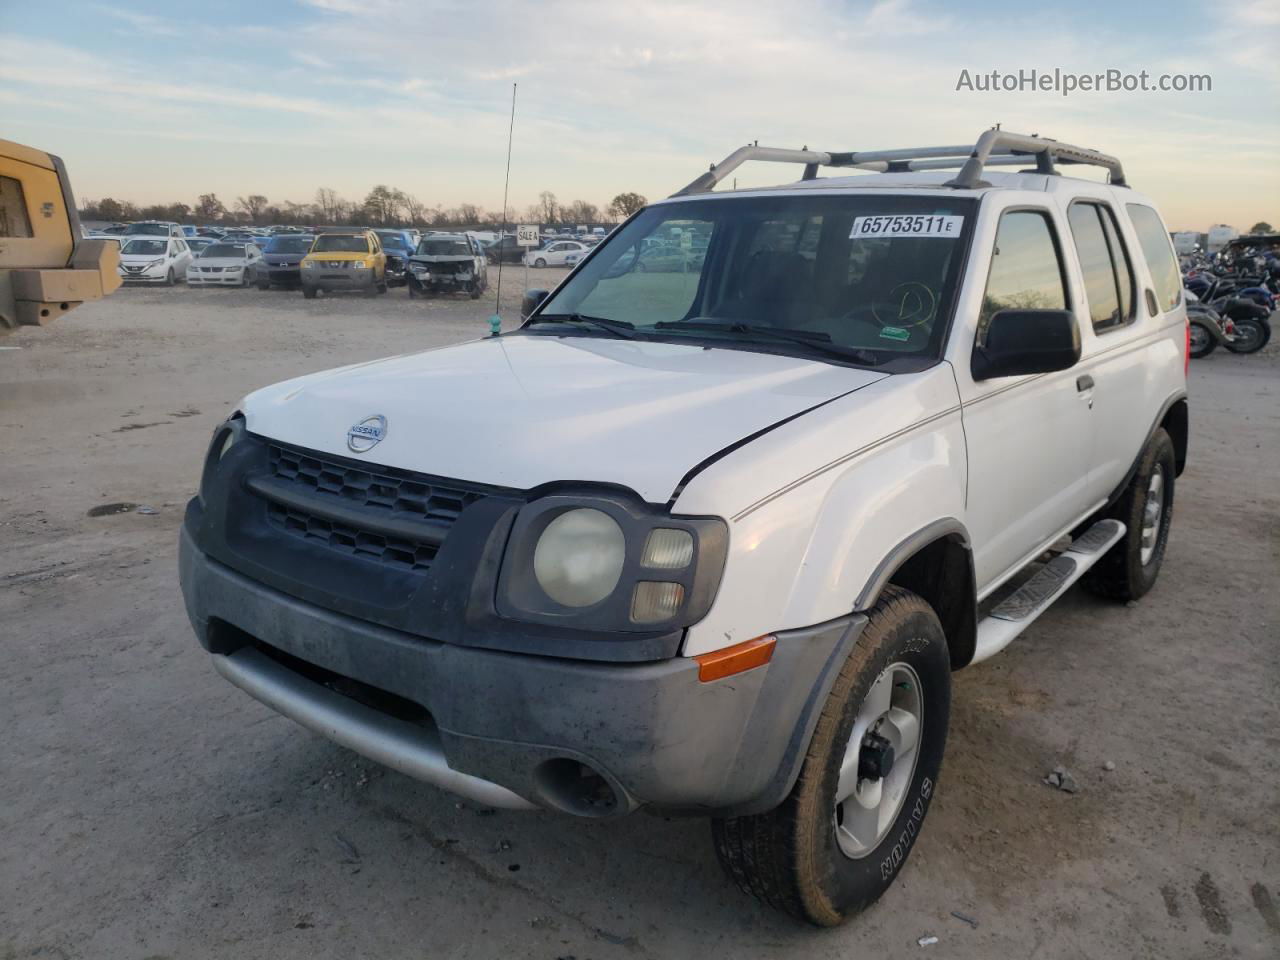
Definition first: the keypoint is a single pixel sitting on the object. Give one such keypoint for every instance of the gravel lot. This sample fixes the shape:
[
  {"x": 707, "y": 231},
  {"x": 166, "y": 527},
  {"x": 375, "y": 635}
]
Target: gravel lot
[{"x": 148, "y": 809}]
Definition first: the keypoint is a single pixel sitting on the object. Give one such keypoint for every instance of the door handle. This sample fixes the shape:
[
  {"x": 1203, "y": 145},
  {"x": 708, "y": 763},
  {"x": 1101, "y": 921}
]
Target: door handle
[{"x": 1084, "y": 382}]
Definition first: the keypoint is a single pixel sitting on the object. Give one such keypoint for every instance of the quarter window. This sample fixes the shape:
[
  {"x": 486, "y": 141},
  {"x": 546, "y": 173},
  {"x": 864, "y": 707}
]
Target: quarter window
[
  {"x": 14, "y": 221},
  {"x": 1108, "y": 278},
  {"x": 1157, "y": 251},
  {"x": 1026, "y": 268}
]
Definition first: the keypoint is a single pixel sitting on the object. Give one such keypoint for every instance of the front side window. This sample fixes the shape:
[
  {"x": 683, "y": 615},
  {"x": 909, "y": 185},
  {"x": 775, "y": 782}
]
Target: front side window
[
  {"x": 1026, "y": 269},
  {"x": 1108, "y": 278},
  {"x": 14, "y": 221},
  {"x": 1158, "y": 252},
  {"x": 868, "y": 279}
]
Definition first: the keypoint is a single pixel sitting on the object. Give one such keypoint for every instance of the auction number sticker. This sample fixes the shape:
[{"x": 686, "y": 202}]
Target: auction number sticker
[{"x": 921, "y": 225}]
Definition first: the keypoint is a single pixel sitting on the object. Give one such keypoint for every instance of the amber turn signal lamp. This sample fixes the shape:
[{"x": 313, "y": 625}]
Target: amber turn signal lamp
[{"x": 735, "y": 659}]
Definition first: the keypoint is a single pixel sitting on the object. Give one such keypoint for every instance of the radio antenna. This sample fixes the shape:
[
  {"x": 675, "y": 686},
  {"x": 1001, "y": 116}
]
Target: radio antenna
[{"x": 495, "y": 322}]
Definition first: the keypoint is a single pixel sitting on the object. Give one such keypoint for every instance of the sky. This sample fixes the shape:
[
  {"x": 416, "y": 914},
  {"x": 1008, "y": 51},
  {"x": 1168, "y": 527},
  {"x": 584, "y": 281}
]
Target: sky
[{"x": 155, "y": 102}]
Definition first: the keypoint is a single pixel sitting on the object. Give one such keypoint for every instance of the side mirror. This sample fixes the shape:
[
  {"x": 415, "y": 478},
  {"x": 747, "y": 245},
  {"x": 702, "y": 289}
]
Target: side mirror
[
  {"x": 532, "y": 300},
  {"x": 1020, "y": 342}
]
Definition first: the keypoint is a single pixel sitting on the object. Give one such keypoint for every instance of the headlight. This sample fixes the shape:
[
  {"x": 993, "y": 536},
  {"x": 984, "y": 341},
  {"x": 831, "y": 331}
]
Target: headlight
[
  {"x": 227, "y": 435},
  {"x": 579, "y": 557},
  {"x": 419, "y": 268},
  {"x": 608, "y": 563},
  {"x": 308, "y": 263},
  {"x": 361, "y": 265}
]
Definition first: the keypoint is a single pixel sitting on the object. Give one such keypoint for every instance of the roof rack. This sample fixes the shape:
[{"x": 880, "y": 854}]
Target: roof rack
[{"x": 994, "y": 148}]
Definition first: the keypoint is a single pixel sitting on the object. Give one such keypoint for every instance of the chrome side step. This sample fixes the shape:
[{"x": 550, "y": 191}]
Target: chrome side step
[
  {"x": 1019, "y": 610},
  {"x": 411, "y": 749}
]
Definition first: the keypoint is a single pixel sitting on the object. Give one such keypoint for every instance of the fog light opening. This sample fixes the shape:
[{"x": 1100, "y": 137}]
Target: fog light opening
[{"x": 575, "y": 788}]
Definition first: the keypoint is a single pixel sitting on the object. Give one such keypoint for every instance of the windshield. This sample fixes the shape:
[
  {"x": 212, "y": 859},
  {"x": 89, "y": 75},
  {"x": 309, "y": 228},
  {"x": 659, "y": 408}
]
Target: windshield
[
  {"x": 150, "y": 248},
  {"x": 289, "y": 245},
  {"x": 436, "y": 247},
  {"x": 869, "y": 275},
  {"x": 149, "y": 229},
  {"x": 332, "y": 244},
  {"x": 396, "y": 240},
  {"x": 222, "y": 250}
]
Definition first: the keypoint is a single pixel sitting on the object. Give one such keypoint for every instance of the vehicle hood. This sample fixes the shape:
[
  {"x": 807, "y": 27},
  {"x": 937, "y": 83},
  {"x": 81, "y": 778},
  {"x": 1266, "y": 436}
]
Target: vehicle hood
[
  {"x": 521, "y": 411},
  {"x": 335, "y": 256},
  {"x": 442, "y": 258},
  {"x": 223, "y": 262}
]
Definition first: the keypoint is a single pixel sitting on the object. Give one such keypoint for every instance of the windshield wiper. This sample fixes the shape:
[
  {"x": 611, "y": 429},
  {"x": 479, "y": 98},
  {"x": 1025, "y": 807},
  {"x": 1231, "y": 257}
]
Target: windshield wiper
[
  {"x": 620, "y": 327},
  {"x": 813, "y": 339}
]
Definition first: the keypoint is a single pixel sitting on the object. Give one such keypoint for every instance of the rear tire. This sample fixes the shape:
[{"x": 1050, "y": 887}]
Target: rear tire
[
  {"x": 1203, "y": 342},
  {"x": 1130, "y": 568},
  {"x": 169, "y": 279},
  {"x": 803, "y": 857}
]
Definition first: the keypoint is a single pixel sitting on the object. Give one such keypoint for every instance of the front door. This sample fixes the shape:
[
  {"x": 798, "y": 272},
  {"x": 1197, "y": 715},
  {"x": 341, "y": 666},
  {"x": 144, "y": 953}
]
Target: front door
[{"x": 1029, "y": 439}]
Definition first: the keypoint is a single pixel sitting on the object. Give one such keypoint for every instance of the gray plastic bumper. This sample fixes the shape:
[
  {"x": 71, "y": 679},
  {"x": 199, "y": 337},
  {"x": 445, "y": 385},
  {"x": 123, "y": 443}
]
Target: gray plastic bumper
[{"x": 501, "y": 723}]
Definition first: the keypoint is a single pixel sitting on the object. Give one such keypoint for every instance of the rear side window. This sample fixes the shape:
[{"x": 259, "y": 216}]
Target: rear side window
[
  {"x": 1026, "y": 268},
  {"x": 1158, "y": 253},
  {"x": 14, "y": 221},
  {"x": 1108, "y": 278}
]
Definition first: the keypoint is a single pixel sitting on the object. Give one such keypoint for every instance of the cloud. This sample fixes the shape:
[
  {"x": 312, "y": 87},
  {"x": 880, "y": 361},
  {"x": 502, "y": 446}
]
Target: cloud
[{"x": 140, "y": 22}]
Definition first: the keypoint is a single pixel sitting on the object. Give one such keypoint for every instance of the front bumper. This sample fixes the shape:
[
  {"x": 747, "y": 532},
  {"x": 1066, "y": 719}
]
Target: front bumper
[
  {"x": 337, "y": 279},
  {"x": 517, "y": 730},
  {"x": 141, "y": 278},
  {"x": 224, "y": 279}
]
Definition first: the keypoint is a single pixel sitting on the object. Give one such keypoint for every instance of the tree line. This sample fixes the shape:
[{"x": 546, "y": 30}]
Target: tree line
[{"x": 383, "y": 207}]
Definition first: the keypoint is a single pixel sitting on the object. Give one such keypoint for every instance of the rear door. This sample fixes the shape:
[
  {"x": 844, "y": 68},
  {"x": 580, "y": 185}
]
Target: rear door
[
  {"x": 1128, "y": 349},
  {"x": 1029, "y": 438}
]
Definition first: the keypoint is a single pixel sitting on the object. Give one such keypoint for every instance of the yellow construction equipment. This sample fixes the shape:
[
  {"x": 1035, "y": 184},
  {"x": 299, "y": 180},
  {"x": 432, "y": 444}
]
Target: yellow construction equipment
[{"x": 46, "y": 265}]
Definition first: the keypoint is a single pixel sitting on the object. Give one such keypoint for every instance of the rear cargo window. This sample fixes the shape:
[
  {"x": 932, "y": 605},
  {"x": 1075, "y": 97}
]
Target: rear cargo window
[
  {"x": 1158, "y": 253},
  {"x": 14, "y": 221}
]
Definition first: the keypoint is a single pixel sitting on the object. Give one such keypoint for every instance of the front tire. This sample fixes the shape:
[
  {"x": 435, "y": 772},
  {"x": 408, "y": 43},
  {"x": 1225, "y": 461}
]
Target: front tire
[
  {"x": 839, "y": 839},
  {"x": 1251, "y": 335},
  {"x": 540, "y": 262},
  {"x": 309, "y": 292},
  {"x": 1130, "y": 568},
  {"x": 169, "y": 279}
]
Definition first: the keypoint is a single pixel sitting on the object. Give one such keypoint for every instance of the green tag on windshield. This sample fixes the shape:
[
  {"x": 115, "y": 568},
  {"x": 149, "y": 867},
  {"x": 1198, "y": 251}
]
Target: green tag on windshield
[{"x": 894, "y": 333}]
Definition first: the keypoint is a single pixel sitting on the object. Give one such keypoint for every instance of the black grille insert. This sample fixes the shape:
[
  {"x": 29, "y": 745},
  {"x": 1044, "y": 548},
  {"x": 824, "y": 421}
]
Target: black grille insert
[{"x": 384, "y": 493}]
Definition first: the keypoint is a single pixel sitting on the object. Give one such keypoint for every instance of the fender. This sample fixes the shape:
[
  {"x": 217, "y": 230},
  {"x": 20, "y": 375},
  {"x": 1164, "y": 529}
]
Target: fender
[{"x": 1180, "y": 460}]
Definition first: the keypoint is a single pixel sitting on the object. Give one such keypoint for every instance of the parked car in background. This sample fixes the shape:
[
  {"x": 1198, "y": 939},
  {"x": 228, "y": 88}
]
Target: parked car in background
[
  {"x": 505, "y": 250},
  {"x": 448, "y": 262},
  {"x": 188, "y": 230},
  {"x": 281, "y": 260},
  {"x": 199, "y": 243},
  {"x": 224, "y": 265},
  {"x": 116, "y": 230},
  {"x": 348, "y": 260},
  {"x": 554, "y": 254},
  {"x": 398, "y": 245},
  {"x": 153, "y": 228},
  {"x": 151, "y": 259}
]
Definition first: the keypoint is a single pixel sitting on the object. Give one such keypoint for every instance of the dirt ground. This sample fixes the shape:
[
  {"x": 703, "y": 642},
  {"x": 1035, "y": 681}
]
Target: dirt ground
[{"x": 148, "y": 809}]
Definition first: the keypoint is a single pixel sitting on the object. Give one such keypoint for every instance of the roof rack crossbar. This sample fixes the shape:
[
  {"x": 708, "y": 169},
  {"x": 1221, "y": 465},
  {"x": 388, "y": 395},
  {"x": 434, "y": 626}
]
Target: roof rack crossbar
[{"x": 994, "y": 148}]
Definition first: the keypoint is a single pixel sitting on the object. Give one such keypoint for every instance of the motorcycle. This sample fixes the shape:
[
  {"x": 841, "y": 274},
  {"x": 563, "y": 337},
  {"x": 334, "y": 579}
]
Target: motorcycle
[{"x": 1243, "y": 328}]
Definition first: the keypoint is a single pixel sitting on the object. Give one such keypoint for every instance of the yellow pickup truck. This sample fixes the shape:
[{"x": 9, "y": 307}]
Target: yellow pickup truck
[{"x": 46, "y": 265}]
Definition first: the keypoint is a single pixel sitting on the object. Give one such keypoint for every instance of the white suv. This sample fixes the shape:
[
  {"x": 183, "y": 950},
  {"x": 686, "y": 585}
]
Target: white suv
[{"x": 710, "y": 539}]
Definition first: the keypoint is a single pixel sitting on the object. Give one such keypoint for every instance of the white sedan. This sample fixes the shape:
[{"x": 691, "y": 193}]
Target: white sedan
[
  {"x": 154, "y": 259},
  {"x": 224, "y": 265},
  {"x": 555, "y": 254}
]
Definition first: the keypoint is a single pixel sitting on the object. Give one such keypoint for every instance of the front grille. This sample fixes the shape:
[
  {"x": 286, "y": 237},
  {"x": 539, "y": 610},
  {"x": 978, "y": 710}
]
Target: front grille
[{"x": 382, "y": 492}]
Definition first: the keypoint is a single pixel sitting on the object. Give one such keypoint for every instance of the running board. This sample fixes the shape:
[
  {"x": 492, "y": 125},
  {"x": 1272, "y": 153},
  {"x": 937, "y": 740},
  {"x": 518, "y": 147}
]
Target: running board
[{"x": 1019, "y": 610}]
